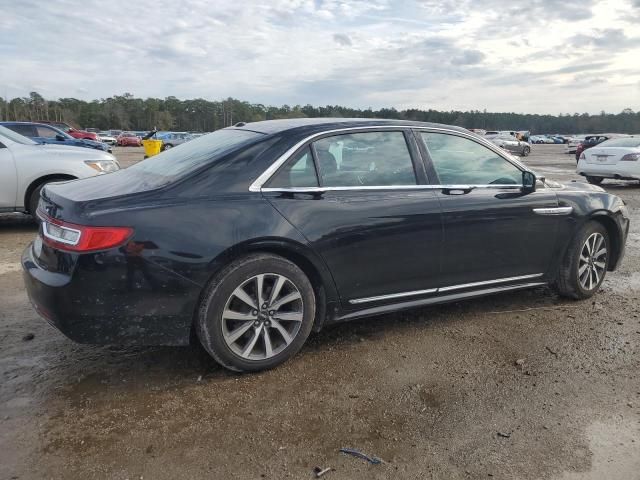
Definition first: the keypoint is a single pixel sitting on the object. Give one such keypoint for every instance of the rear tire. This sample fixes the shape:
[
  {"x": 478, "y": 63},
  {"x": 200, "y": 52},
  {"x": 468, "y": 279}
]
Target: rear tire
[
  {"x": 247, "y": 331},
  {"x": 585, "y": 262},
  {"x": 595, "y": 180},
  {"x": 526, "y": 151}
]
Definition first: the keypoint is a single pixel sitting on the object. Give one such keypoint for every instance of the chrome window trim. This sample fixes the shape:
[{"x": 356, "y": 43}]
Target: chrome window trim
[
  {"x": 553, "y": 211},
  {"x": 387, "y": 187},
  {"x": 392, "y": 296},
  {"x": 258, "y": 183}
]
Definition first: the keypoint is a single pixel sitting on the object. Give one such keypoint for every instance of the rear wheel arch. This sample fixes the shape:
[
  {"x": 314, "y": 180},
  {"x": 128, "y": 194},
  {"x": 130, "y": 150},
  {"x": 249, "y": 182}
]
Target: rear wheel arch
[
  {"x": 318, "y": 274},
  {"x": 55, "y": 177}
]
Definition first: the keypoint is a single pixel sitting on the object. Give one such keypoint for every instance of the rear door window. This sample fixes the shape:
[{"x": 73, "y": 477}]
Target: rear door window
[
  {"x": 299, "y": 172},
  {"x": 366, "y": 159}
]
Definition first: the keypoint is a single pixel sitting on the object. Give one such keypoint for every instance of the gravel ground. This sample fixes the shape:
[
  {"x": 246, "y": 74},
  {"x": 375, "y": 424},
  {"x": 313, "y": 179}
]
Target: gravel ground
[{"x": 524, "y": 385}]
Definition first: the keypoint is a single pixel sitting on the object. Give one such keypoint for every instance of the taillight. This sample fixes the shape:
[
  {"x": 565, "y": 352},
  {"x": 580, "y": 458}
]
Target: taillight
[
  {"x": 583, "y": 156},
  {"x": 631, "y": 157},
  {"x": 80, "y": 238}
]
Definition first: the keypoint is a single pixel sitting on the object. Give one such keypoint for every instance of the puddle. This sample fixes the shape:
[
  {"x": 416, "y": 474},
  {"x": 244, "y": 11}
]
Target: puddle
[{"x": 615, "y": 452}]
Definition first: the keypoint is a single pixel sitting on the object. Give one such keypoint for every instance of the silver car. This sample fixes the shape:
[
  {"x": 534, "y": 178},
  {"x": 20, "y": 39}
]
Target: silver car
[
  {"x": 511, "y": 144},
  {"x": 27, "y": 166},
  {"x": 173, "y": 139}
]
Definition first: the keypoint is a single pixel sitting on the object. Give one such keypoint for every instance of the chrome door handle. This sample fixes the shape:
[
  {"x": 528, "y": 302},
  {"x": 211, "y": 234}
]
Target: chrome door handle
[
  {"x": 457, "y": 189},
  {"x": 553, "y": 211}
]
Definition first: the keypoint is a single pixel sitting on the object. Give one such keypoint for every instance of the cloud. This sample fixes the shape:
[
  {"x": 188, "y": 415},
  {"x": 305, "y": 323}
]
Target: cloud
[
  {"x": 445, "y": 54},
  {"x": 614, "y": 38},
  {"x": 342, "y": 39},
  {"x": 468, "y": 57}
]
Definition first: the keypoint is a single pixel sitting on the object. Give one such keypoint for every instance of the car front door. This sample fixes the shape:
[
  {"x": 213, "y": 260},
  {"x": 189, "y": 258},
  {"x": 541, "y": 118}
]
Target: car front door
[
  {"x": 362, "y": 202},
  {"x": 8, "y": 179},
  {"x": 495, "y": 232}
]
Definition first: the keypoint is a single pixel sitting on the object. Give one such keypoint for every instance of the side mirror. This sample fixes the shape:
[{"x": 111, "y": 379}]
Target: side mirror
[
  {"x": 60, "y": 138},
  {"x": 528, "y": 181}
]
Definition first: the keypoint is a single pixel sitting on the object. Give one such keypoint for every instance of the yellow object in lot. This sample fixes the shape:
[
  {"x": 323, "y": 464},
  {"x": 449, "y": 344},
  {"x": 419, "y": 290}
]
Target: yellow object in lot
[{"x": 151, "y": 147}]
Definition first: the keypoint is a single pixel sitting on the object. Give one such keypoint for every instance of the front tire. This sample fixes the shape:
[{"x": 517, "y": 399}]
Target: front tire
[
  {"x": 595, "y": 180},
  {"x": 34, "y": 199},
  {"x": 257, "y": 313},
  {"x": 585, "y": 262},
  {"x": 526, "y": 151}
]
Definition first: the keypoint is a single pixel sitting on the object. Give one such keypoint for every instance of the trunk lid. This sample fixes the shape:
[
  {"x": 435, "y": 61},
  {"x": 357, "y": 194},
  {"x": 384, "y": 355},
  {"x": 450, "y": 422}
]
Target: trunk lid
[{"x": 603, "y": 156}]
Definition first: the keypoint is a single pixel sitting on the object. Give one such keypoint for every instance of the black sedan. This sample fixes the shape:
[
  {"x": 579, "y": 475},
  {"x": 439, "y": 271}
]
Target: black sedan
[{"x": 251, "y": 237}]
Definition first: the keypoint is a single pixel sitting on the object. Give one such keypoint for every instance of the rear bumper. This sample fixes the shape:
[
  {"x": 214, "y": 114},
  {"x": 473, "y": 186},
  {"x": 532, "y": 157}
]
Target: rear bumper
[
  {"x": 95, "y": 303},
  {"x": 620, "y": 170}
]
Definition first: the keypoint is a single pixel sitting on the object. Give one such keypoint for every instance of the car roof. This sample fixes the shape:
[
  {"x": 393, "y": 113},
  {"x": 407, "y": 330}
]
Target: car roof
[
  {"x": 12, "y": 122},
  {"x": 322, "y": 124},
  {"x": 610, "y": 135}
]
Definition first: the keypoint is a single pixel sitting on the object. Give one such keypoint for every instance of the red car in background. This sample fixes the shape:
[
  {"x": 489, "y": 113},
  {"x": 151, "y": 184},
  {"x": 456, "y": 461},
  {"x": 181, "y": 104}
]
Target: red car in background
[
  {"x": 128, "y": 139},
  {"x": 74, "y": 132}
]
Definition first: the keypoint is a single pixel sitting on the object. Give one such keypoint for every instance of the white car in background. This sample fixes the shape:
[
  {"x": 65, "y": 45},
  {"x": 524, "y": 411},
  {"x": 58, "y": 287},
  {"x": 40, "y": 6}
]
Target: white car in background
[
  {"x": 573, "y": 143},
  {"x": 617, "y": 158},
  {"x": 26, "y": 166},
  {"x": 106, "y": 137}
]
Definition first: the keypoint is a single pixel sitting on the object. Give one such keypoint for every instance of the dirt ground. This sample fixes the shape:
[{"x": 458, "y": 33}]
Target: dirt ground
[{"x": 523, "y": 385}]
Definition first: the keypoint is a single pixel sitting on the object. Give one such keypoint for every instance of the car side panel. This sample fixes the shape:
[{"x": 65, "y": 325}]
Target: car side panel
[{"x": 148, "y": 291}]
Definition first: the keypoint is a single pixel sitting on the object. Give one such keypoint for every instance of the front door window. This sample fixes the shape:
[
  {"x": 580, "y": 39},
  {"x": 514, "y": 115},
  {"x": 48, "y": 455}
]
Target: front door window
[{"x": 461, "y": 161}]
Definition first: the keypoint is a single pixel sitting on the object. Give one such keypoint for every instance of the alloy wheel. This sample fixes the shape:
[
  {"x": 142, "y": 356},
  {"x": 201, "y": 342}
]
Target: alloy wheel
[
  {"x": 593, "y": 261},
  {"x": 262, "y": 316}
]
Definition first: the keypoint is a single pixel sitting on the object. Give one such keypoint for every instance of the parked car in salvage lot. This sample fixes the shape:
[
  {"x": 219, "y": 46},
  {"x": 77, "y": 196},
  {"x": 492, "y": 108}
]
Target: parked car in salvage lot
[
  {"x": 42, "y": 133},
  {"x": 28, "y": 166},
  {"x": 593, "y": 140},
  {"x": 284, "y": 226},
  {"x": 173, "y": 139},
  {"x": 128, "y": 139},
  {"x": 511, "y": 145},
  {"x": 618, "y": 158},
  {"x": 574, "y": 142},
  {"x": 107, "y": 138},
  {"x": 74, "y": 132}
]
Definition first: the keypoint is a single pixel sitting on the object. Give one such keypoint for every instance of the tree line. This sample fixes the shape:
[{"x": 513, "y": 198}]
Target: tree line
[{"x": 126, "y": 112}]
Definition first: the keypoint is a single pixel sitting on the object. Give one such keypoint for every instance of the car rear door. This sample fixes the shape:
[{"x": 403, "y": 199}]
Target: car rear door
[
  {"x": 361, "y": 200},
  {"x": 493, "y": 231}
]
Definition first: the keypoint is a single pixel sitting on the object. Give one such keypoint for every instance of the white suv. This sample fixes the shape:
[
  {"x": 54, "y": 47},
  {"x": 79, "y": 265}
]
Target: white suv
[{"x": 26, "y": 166}]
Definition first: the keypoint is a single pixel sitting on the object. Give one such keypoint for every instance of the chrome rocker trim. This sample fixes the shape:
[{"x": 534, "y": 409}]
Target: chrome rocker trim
[{"x": 392, "y": 296}]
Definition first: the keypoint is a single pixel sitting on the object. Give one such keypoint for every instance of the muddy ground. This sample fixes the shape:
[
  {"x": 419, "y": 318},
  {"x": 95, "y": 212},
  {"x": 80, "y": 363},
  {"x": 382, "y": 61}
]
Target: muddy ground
[{"x": 434, "y": 393}]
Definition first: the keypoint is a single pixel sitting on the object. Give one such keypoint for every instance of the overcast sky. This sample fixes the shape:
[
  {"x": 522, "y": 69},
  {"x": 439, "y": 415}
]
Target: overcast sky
[{"x": 539, "y": 56}]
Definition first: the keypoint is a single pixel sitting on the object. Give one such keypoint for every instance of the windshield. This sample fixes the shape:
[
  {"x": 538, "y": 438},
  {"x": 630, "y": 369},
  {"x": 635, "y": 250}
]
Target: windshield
[
  {"x": 16, "y": 137},
  {"x": 171, "y": 164},
  {"x": 622, "y": 142}
]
